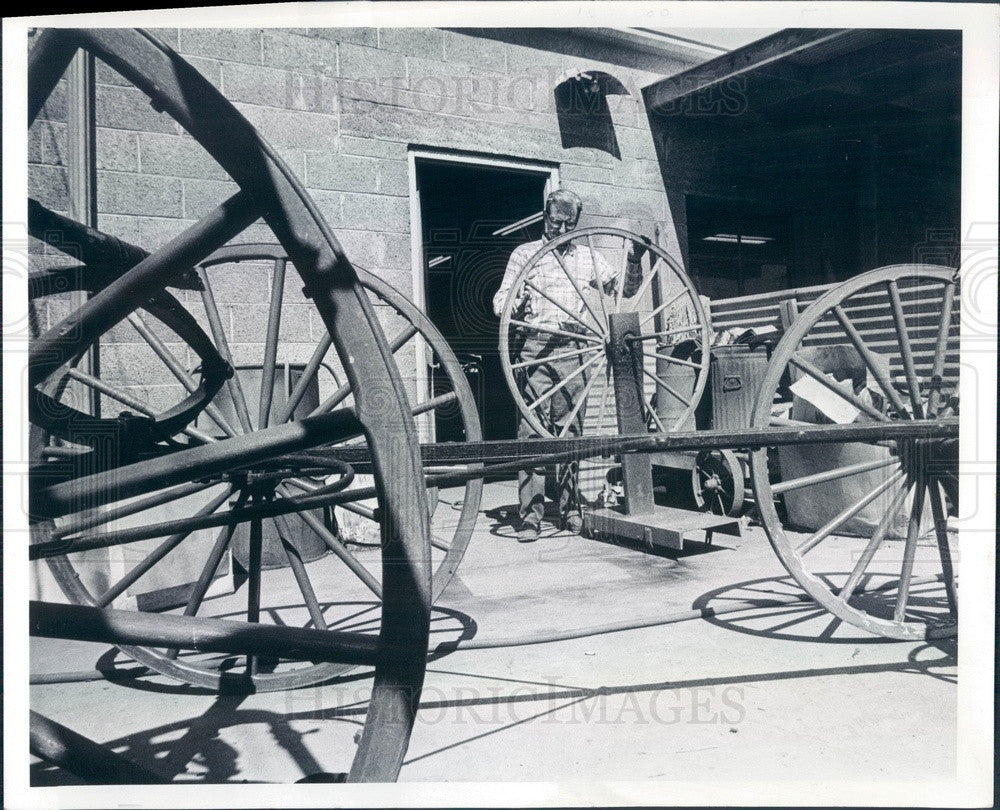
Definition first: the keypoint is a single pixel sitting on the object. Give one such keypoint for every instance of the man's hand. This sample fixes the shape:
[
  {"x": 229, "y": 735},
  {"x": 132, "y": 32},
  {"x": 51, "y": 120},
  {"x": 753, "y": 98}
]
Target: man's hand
[{"x": 637, "y": 251}]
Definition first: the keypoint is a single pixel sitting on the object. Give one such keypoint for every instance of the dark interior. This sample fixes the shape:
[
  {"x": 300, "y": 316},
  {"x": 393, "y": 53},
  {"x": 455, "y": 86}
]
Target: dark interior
[{"x": 462, "y": 206}]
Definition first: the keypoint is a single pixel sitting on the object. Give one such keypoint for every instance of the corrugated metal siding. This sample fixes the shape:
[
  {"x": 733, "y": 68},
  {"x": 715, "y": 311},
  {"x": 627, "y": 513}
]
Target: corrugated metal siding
[{"x": 870, "y": 313}]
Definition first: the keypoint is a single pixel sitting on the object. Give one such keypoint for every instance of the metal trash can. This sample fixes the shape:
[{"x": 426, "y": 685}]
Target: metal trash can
[{"x": 735, "y": 377}]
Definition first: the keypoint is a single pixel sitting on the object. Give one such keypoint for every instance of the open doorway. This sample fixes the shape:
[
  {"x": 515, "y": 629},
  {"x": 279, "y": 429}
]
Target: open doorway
[{"x": 472, "y": 215}]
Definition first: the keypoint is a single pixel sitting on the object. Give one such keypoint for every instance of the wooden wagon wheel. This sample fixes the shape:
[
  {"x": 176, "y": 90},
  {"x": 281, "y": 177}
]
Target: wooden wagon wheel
[
  {"x": 671, "y": 318},
  {"x": 245, "y": 466},
  {"x": 847, "y": 559},
  {"x": 717, "y": 482},
  {"x": 282, "y": 397}
]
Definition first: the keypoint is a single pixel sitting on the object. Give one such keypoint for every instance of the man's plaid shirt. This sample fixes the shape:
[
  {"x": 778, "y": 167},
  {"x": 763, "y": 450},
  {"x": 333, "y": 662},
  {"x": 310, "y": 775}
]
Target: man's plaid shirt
[{"x": 588, "y": 270}]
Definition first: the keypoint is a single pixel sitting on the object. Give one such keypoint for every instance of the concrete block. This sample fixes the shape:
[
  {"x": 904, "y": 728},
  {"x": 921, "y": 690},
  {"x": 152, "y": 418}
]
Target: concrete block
[
  {"x": 394, "y": 251},
  {"x": 394, "y": 178},
  {"x": 169, "y": 36},
  {"x": 395, "y": 150},
  {"x": 250, "y": 323},
  {"x": 54, "y": 108},
  {"x": 358, "y": 62},
  {"x": 298, "y": 129},
  {"x": 47, "y": 143},
  {"x": 201, "y": 196},
  {"x": 301, "y": 54},
  {"x": 108, "y": 75},
  {"x": 359, "y": 246},
  {"x": 122, "y": 193},
  {"x": 274, "y": 87},
  {"x": 412, "y": 41},
  {"x": 341, "y": 172},
  {"x": 211, "y": 69},
  {"x": 155, "y": 232},
  {"x": 117, "y": 150},
  {"x": 230, "y": 44},
  {"x": 129, "y": 108},
  {"x": 50, "y": 186},
  {"x": 242, "y": 283},
  {"x": 470, "y": 50},
  {"x": 137, "y": 364},
  {"x": 359, "y": 36},
  {"x": 375, "y": 212},
  {"x": 122, "y": 226},
  {"x": 176, "y": 156}
]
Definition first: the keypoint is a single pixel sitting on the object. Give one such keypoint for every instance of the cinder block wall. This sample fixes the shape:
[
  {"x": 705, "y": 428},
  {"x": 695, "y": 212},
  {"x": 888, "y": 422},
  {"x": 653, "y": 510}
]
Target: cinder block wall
[{"x": 343, "y": 106}]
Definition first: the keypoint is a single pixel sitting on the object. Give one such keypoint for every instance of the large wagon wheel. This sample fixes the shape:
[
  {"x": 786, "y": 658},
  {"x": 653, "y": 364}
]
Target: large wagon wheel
[
  {"x": 849, "y": 563},
  {"x": 674, "y": 328},
  {"x": 284, "y": 395},
  {"x": 241, "y": 466}
]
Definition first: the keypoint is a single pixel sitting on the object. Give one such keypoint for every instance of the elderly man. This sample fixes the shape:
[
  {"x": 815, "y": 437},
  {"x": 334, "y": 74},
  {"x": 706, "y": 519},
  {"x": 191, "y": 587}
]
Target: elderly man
[{"x": 562, "y": 212}]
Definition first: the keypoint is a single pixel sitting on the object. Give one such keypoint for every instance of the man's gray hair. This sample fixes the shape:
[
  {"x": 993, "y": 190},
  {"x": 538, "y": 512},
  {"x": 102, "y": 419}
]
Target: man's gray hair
[{"x": 563, "y": 196}]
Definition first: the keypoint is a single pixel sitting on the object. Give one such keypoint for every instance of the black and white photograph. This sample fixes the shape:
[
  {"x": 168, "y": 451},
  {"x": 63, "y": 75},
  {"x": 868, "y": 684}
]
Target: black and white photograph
[{"x": 499, "y": 405}]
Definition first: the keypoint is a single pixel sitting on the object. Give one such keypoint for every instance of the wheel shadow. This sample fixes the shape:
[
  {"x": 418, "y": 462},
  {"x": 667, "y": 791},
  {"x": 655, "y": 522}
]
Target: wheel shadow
[
  {"x": 777, "y": 608},
  {"x": 361, "y": 617}
]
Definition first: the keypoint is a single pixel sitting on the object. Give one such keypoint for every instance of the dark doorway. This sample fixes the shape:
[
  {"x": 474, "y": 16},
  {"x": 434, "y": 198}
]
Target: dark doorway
[{"x": 463, "y": 207}]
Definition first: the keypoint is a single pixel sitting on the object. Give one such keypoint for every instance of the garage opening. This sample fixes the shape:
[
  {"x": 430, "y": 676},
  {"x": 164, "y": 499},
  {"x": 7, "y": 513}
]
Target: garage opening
[{"x": 472, "y": 216}]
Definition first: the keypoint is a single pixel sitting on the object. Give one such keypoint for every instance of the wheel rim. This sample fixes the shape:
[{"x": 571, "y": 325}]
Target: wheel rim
[
  {"x": 671, "y": 314},
  {"x": 269, "y": 189},
  {"x": 903, "y": 589}
]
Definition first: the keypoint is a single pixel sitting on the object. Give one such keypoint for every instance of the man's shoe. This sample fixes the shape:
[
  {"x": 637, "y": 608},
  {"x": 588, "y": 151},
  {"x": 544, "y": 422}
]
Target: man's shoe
[
  {"x": 528, "y": 533},
  {"x": 574, "y": 523}
]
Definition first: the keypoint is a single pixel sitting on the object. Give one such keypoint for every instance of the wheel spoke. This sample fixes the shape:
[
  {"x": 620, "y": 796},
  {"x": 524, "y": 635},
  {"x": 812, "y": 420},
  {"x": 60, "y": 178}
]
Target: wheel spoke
[
  {"x": 910, "y": 551},
  {"x": 434, "y": 402},
  {"x": 597, "y": 282},
  {"x": 207, "y": 574},
  {"x": 652, "y": 412},
  {"x": 870, "y": 360},
  {"x": 937, "y": 368},
  {"x": 101, "y": 515},
  {"x": 804, "y": 365},
  {"x": 571, "y": 416},
  {"x": 222, "y": 345},
  {"x": 178, "y": 370},
  {"x": 675, "y": 360},
  {"x": 680, "y": 330},
  {"x": 338, "y": 548},
  {"x": 575, "y": 317},
  {"x": 537, "y": 327},
  {"x": 564, "y": 382},
  {"x": 300, "y": 574},
  {"x": 666, "y": 387},
  {"x": 576, "y": 286},
  {"x": 553, "y": 357},
  {"x": 605, "y": 390},
  {"x": 271, "y": 345},
  {"x": 846, "y": 514},
  {"x": 253, "y": 583},
  {"x": 308, "y": 373},
  {"x": 346, "y": 390},
  {"x": 661, "y": 307},
  {"x": 944, "y": 547},
  {"x": 155, "y": 556},
  {"x": 906, "y": 350},
  {"x": 831, "y": 475},
  {"x": 126, "y": 399}
]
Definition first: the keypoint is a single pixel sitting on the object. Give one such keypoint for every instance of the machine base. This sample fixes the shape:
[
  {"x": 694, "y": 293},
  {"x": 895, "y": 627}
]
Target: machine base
[{"x": 663, "y": 528}]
